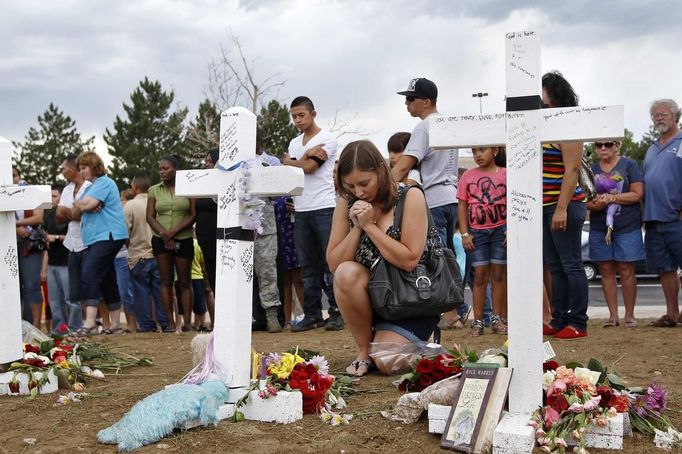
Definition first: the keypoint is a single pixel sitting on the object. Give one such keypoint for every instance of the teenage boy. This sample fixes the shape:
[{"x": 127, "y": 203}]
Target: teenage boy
[{"x": 314, "y": 151}]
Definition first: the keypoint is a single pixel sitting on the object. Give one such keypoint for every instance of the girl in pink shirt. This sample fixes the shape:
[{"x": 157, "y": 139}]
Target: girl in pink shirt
[{"x": 482, "y": 217}]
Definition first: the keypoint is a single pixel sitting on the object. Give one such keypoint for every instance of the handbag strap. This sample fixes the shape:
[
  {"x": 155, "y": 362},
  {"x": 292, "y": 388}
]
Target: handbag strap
[{"x": 400, "y": 207}]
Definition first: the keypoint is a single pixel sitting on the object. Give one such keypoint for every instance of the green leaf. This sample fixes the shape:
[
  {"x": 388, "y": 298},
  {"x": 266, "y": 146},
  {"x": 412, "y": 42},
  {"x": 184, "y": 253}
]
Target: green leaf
[
  {"x": 573, "y": 365},
  {"x": 238, "y": 416},
  {"x": 595, "y": 365},
  {"x": 615, "y": 381}
]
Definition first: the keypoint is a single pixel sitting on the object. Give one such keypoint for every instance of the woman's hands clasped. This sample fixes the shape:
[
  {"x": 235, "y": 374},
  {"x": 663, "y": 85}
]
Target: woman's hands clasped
[{"x": 361, "y": 214}]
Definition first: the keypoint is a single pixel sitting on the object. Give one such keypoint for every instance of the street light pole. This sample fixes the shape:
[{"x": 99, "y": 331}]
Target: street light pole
[{"x": 480, "y": 96}]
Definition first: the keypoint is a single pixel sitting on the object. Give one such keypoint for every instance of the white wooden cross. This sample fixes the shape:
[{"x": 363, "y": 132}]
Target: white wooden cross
[
  {"x": 234, "y": 267},
  {"x": 523, "y": 128},
  {"x": 13, "y": 198}
]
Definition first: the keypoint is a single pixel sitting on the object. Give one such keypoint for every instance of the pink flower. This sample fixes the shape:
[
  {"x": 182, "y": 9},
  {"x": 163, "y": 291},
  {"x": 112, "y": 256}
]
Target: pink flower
[
  {"x": 592, "y": 403},
  {"x": 550, "y": 416},
  {"x": 262, "y": 394},
  {"x": 558, "y": 386},
  {"x": 576, "y": 408}
]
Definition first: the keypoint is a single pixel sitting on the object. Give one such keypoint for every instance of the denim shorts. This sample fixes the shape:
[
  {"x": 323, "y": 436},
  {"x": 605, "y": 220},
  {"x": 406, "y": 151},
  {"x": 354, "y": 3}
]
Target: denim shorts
[
  {"x": 624, "y": 247},
  {"x": 489, "y": 246},
  {"x": 663, "y": 244}
]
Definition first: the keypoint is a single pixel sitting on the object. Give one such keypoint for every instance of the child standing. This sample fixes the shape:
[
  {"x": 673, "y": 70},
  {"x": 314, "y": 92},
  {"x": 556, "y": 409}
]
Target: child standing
[{"x": 482, "y": 216}]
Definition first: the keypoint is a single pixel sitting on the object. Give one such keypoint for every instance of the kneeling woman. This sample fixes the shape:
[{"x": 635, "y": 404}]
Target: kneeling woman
[{"x": 362, "y": 232}]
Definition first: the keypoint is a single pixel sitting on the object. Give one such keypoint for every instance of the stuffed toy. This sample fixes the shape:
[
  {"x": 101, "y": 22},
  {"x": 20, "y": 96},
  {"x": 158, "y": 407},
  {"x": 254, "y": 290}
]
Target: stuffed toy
[{"x": 157, "y": 415}]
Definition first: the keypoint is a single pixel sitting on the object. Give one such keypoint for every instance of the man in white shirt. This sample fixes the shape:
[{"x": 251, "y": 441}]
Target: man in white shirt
[
  {"x": 73, "y": 241},
  {"x": 314, "y": 151}
]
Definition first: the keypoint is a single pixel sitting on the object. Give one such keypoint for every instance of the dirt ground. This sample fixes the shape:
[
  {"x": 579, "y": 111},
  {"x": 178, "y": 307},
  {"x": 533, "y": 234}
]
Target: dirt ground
[{"x": 639, "y": 355}]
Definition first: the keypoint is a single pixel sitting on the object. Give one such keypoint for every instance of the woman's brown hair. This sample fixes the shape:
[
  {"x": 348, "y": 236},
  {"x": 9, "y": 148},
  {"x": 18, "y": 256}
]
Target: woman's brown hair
[
  {"x": 92, "y": 160},
  {"x": 363, "y": 155}
]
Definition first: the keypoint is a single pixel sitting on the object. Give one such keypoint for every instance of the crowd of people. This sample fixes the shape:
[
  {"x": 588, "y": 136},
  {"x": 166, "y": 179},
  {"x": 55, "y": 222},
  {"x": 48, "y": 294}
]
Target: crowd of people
[{"x": 152, "y": 253}]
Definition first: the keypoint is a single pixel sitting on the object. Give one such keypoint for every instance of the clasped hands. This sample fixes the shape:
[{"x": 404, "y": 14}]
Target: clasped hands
[{"x": 361, "y": 214}]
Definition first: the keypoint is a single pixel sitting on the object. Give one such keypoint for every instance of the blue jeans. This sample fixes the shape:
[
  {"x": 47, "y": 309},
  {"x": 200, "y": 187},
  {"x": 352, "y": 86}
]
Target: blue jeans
[
  {"x": 145, "y": 275},
  {"x": 98, "y": 276},
  {"x": 562, "y": 254},
  {"x": 445, "y": 218},
  {"x": 663, "y": 246},
  {"x": 63, "y": 310},
  {"x": 311, "y": 235},
  {"x": 125, "y": 288}
]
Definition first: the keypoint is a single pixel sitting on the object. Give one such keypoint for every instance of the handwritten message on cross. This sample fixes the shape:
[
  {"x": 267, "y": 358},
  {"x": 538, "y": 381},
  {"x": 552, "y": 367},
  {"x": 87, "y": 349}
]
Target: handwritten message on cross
[
  {"x": 234, "y": 267},
  {"x": 523, "y": 128},
  {"x": 13, "y": 198}
]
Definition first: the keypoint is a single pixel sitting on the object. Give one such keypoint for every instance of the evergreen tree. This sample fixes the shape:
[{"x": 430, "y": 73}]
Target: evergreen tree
[
  {"x": 629, "y": 148},
  {"x": 203, "y": 133},
  {"x": 44, "y": 149},
  {"x": 150, "y": 131},
  {"x": 276, "y": 129}
]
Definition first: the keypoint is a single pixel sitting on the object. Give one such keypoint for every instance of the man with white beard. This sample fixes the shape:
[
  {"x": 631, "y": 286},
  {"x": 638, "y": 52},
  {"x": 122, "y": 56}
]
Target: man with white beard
[{"x": 663, "y": 205}]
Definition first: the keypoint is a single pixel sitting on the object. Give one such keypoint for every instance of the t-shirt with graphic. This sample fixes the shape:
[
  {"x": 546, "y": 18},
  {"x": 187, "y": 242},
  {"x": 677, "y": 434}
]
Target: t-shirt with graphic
[{"x": 486, "y": 197}]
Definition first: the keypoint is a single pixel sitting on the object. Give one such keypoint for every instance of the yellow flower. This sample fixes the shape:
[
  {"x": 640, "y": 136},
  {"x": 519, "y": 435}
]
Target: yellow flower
[{"x": 285, "y": 365}]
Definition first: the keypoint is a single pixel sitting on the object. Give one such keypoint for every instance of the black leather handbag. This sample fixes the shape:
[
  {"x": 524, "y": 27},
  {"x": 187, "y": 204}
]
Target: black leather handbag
[
  {"x": 36, "y": 241},
  {"x": 433, "y": 287}
]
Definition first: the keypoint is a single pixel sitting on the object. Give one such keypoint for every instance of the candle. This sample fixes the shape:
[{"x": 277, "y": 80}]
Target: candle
[{"x": 263, "y": 369}]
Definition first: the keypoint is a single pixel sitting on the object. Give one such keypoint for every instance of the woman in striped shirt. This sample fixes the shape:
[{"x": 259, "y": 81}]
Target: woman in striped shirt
[{"x": 563, "y": 218}]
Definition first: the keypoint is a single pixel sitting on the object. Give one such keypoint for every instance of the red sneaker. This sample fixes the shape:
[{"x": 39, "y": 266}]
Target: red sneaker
[
  {"x": 570, "y": 333},
  {"x": 549, "y": 330}
]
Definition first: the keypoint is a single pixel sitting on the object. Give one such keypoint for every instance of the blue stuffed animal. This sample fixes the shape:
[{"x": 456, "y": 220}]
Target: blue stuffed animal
[{"x": 157, "y": 415}]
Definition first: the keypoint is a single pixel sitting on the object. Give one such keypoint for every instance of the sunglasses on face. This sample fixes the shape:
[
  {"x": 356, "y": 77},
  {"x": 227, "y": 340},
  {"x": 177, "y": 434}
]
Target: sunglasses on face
[
  {"x": 410, "y": 98},
  {"x": 598, "y": 145}
]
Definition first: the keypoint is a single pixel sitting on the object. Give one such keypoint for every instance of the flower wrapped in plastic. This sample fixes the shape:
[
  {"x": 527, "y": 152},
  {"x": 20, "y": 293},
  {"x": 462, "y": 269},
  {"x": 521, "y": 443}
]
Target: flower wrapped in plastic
[{"x": 609, "y": 183}]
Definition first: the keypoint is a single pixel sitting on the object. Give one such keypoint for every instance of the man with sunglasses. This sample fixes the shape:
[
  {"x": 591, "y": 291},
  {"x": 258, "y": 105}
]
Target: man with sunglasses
[
  {"x": 438, "y": 168},
  {"x": 662, "y": 168}
]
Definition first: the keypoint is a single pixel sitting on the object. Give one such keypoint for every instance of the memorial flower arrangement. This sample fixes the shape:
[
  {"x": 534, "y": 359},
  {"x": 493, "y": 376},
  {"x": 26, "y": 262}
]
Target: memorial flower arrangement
[
  {"x": 609, "y": 183},
  {"x": 431, "y": 369},
  {"x": 290, "y": 371},
  {"x": 576, "y": 397},
  {"x": 73, "y": 360}
]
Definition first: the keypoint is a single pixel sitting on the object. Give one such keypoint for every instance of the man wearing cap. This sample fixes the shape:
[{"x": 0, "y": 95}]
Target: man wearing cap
[
  {"x": 438, "y": 170},
  {"x": 438, "y": 167}
]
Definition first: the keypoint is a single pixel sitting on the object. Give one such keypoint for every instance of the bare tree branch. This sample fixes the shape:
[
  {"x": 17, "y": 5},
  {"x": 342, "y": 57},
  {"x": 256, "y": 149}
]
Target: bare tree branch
[
  {"x": 342, "y": 125},
  {"x": 231, "y": 82}
]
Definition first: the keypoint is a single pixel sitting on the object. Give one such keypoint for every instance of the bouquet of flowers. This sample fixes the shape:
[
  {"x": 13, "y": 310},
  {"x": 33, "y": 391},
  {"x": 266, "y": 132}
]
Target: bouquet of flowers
[
  {"x": 610, "y": 183},
  {"x": 572, "y": 402},
  {"x": 429, "y": 370},
  {"x": 73, "y": 360},
  {"x": 290, "y": 371},
  {"x": 646, "y": 409}
]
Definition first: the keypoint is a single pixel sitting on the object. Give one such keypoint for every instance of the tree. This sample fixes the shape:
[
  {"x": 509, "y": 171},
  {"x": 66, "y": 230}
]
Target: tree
[
  {"x": 275, "y": 127},
  {"x": 232, "y": 81},
  {"x": 203, "y": 133},
  {"x": 44, "y": 149},
  {"x": 150, "y": 131}
]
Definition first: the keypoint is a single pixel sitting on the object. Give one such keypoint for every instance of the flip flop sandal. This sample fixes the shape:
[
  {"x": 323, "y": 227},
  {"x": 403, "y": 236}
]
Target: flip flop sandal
[
  {"x": 87, "y": 331},
  {"x": 664, "y": 322},
  {"x": 631, "y": 323},
  {"x": 610, "y": 323},
  {"x": 360, "y": 367},
  {"x": 113, "y": 331}
]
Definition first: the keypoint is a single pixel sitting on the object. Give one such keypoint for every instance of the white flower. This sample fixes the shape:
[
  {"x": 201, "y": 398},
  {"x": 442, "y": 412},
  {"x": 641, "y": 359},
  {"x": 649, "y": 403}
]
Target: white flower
[
  {"x": 96, "y": 374},
  {"x": 494, "y": 359},
  {"x": 547, "y": 378},
  {"x": 589, "y": 375}
]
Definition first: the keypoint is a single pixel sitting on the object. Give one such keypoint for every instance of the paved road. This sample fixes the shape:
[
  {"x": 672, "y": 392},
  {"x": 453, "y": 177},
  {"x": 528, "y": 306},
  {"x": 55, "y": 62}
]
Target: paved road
[{"x": 650, "y": 302}]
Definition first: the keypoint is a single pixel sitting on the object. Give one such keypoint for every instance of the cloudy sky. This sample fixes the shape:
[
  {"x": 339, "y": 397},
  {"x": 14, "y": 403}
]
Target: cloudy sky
[{"x": 348, "y": 56}]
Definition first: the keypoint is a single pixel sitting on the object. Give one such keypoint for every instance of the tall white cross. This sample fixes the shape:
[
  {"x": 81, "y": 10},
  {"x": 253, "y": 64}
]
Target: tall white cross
[
  {"x": 523, "y": 128},
  {"x": 13, "y": 198},
  {"x": 234, "y": 267}
]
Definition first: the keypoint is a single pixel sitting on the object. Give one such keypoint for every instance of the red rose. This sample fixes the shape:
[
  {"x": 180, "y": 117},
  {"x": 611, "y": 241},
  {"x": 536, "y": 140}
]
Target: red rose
[
  {"x": 439, "y": 374},
  {"x": 402, "y": 387},
  {"x": 59, "y": 358},
  {"x": 57, "y": 341},
  {"x": 67, "y": 348},
  {"x": 28, "y": 348},
  {"x": 310, "y": 369},
  {"x": 425, "y": 380},
  {"x": 63, "y": 328},
  {"x": 549, "y": 365},
  {"x": 558, "y": 402},
  {"x": 424, "y": 366},
  {"x": 14, "y": 387},
  {"x": 606, "y": 393}
]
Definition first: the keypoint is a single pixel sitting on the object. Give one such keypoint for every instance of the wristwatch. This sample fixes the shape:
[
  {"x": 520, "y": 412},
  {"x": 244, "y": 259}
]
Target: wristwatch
[{"x": 465, "y": 234}]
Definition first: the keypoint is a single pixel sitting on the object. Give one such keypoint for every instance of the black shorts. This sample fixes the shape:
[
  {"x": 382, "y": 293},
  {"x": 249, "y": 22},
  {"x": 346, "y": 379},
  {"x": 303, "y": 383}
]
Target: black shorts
[{"x": 183, "y": 248}]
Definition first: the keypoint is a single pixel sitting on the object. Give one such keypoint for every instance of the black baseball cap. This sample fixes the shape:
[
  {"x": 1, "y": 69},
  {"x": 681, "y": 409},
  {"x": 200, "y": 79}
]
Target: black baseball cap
[{"x": 421, "y": 88}]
